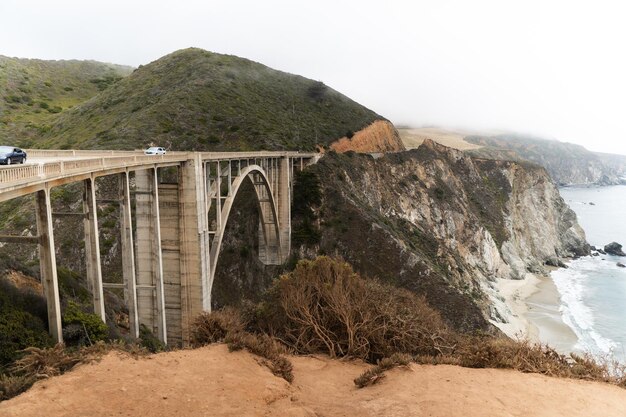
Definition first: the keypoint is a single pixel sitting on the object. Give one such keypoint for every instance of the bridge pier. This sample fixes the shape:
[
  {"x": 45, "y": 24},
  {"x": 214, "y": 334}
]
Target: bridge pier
[
  {"x": 128, "y": 254},
  {"x": 47, "y": 263},
  {"x": 194, "y": 245},
  {"x": 283, "y": 198},
  {"x": 149, "y": 267},
  {"x": 92, "y": 248}
]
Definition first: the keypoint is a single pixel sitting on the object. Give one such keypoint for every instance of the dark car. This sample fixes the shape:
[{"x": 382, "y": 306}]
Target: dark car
[{"x": 10, "y": 155}]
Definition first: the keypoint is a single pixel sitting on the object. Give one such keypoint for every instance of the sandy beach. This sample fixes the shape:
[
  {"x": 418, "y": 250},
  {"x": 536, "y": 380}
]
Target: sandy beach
[{"x": 533, "y": 305}]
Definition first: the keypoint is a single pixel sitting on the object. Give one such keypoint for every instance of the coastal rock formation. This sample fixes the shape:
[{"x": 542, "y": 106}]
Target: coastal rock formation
[
  {"x": 443, "y": 224},
  {"x": 568, "y": 164},
  {"x": 380, "y": 136},
  {"x": 614, "y": 248}
]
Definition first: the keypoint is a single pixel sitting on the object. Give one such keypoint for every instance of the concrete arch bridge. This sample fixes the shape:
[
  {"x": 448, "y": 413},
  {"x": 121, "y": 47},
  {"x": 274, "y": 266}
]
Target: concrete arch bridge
[{"x": 170, "y": 253}]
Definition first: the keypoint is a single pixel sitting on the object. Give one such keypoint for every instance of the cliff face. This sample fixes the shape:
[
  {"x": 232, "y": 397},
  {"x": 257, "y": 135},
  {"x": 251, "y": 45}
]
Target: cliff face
[
  {"x": 568, "y": 164},
  {"x": 380, "y": 136},
  {"x": 443, "y": 224}
]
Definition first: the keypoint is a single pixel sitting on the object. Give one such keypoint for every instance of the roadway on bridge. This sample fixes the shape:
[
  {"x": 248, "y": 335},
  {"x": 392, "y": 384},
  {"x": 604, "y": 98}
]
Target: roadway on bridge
[{"x": 40, "y": 160}]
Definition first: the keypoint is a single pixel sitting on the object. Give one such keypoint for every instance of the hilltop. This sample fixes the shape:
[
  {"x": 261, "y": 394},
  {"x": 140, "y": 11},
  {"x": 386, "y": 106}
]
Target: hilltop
[
  {"x": 212, "y": 381},
  {"x": 197, "y": 100},
  {"x": 33, "y": 92}
]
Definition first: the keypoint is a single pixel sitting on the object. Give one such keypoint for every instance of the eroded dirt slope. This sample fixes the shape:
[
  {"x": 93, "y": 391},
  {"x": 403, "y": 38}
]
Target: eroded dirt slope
[{"x": 213, "y": 382}]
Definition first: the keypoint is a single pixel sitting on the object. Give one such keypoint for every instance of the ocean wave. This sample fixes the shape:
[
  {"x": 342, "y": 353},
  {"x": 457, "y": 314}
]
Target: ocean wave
[{"x": 572, "y": 284}]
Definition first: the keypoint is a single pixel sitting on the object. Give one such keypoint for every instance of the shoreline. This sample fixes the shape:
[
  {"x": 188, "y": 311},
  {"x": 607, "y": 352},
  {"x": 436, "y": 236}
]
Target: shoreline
[{"x": 533, "y": 304}]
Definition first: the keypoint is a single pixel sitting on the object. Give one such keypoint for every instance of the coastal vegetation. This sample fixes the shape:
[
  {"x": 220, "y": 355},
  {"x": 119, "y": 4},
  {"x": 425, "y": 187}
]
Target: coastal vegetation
[
  {"x": 189, "y": 100},
  {"x": 35, "y": 92},
  {"x": 424, "y": 233},
  {"x": 323, "y": 306}
]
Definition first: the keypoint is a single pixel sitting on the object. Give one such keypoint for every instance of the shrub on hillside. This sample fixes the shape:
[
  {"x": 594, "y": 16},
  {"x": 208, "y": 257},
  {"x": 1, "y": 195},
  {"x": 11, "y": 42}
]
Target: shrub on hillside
[
  {"x": 324, "y": 306},
  {"x": 81, "y": 327},
  {"x": 228, "y": 325},
  {"x": 149, "y": 341},
  {"x": 22, "y": 321},
  {"x": 376, "y": 373},
  {"x": 13, "y": 385},
  {"x": 213, "y": 327}
]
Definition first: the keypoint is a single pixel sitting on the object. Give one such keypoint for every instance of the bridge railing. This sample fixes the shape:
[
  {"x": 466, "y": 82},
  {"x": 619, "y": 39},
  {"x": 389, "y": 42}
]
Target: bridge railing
[
  {"x": 70, "y": 153},
  {"x": 19, "y": 174},
  {"x": 93, "y": 161}
]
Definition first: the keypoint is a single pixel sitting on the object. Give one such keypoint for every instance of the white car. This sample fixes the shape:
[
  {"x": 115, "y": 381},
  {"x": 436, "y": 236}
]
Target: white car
[{"x": 155, "y": 150}]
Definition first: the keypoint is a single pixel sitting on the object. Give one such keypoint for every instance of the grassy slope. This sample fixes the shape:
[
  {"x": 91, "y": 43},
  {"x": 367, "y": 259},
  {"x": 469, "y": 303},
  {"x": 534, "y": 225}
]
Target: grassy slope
[
  {"x": 194, "y": 99},
  {"x": 33, "y": 92}
]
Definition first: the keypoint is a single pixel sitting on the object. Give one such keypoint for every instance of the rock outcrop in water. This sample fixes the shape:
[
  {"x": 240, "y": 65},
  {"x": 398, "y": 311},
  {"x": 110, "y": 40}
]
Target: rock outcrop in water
[
  {"x": 443, "y": 224},
  {"x": 614, "y": 248}
]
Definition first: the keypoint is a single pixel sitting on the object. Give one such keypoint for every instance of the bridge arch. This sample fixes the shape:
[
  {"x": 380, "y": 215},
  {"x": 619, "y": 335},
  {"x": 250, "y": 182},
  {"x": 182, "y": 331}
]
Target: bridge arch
[
  {"x": 270, "y": 247},
  {"x": 167, "y": 277}
]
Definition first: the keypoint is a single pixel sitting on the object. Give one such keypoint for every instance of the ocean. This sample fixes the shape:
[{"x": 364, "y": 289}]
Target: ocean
[{"x": 593, "y": 289}]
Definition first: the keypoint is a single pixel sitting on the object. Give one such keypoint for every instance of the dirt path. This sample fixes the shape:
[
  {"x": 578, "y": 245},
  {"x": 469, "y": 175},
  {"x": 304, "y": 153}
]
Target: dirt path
[{"x": 213, "y": 382}]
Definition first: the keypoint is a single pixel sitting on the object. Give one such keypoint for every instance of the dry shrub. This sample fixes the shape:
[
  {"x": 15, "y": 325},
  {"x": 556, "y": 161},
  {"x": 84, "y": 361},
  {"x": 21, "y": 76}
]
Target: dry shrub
[
  {"x": 446, "y": 359},
  {"x": 377, "y": 373},
  {"x": 602, "y": 369},
  {"x": 264, "y": 346},
  {"x": 228, "y": 325},
  {"x": 324, "y": 306},
  {"x": 13, "y": 385},
  {"x": 213, "y": 327},
  {"x": 44, "y": 363},
  {"x": 522, "y": 355}
]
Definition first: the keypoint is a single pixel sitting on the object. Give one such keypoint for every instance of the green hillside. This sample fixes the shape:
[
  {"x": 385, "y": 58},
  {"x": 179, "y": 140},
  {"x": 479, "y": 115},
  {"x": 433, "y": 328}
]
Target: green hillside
[
  {"x": 34, "y": 92},
  {"x": 198, "y": 100}
]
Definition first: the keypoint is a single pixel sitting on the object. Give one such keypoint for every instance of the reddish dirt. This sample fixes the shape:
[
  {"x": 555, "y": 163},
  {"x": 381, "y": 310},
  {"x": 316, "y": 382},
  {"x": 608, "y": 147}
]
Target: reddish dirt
[
  {"x": 213, "y": 382},
  {"x": 380, "y": 136}
]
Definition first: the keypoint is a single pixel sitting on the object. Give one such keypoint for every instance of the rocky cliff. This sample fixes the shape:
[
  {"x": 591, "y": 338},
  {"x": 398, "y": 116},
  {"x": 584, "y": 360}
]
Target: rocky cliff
[
  {"x": 568, "y": 164},
  {"x": 441, "y": 223}
]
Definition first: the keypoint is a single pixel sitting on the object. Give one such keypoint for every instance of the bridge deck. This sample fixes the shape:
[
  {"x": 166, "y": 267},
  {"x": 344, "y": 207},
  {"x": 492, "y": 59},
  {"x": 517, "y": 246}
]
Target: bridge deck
[{"x": 62, "y": 166}]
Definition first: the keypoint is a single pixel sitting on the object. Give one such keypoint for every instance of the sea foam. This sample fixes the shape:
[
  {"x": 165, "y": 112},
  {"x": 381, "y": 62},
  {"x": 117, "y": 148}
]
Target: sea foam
[{"x": 577, "y": 291}]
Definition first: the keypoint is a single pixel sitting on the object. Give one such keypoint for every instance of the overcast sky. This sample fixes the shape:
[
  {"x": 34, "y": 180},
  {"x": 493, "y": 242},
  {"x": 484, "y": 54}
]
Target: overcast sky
[{"x": 554, "y": 68}]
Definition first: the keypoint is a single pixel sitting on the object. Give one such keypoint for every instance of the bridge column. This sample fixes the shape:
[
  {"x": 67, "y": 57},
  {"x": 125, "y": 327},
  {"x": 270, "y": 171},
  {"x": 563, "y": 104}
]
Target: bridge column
[
  {"x": 128, "y": 254},
  {"x": 92, "y": 248},
  {"x": 194, "y": 244},
  {"x": 282, "y": 194},
  {"x": 150, "y": 297},
  {"x": 47, "y": 263}
]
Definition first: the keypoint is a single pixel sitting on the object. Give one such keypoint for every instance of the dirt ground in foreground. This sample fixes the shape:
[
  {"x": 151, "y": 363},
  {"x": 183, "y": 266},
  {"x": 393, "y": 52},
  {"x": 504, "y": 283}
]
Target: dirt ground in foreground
[{"x": 213, "y": 382}]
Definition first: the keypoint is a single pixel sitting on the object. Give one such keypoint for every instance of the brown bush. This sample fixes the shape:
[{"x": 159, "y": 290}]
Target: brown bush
[
  {"x": 522, "y": 355},
  {"x": 324, "y": 306},
  {"x": 227, "y": 325},
  {"x": 44, "y": 363},
  {"x": 376, "y": 373},
  {"x": 13, "y": 385},
  {"x": 213, "y": 327},
  {"x": 264, "y": 346}
]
